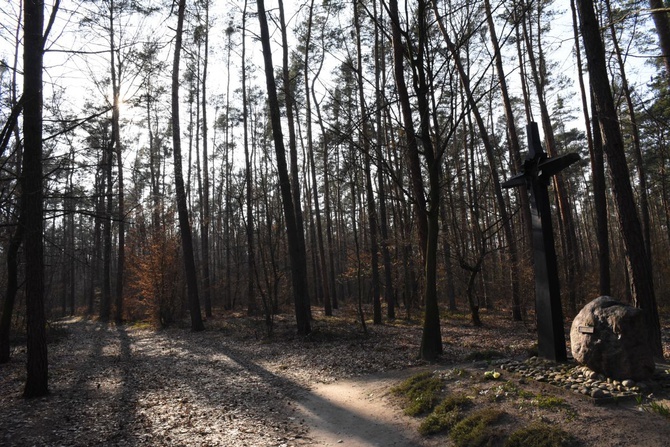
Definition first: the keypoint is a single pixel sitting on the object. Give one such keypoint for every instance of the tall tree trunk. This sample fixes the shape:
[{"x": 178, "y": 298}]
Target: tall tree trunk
[
  {"x": 106, "y": 298},
  {"x": 11, "y": 289},
  {"x": 325, "y": 280},
  {"x": 354, "y": 219},
  {"x": 229, "y": 299},
  {"x": 659, "y": 12},
  {"x": 97, "y": 235},
  {"x": 327, "y": 207},
  {"x": 380, "y": 70},
  {"x": 296, "y": 248},
  {"x": 206, "y": 215},
  {"x": 118, "y": 150},
  {"x": 182, "y": 206},
  {"x": 600, "y": 205},
  {"x": 33, "y": 212},
  {"x": 406, "y": 109},
  {"x": 429, "y": 210},
  {"x": 248, "y": 172},
  {"x": 367, "y": 163},
  {"x": 635, "y": 133},
  {"x": 293, "y": 154},
  {"x": 637, "y": 260},
  {"x": 597, "y": 169}
]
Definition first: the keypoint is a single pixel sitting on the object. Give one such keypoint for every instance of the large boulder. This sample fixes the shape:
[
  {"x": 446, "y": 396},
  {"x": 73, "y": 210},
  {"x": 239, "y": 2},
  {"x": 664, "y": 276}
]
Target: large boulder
[{"x": 610, "y": 337}]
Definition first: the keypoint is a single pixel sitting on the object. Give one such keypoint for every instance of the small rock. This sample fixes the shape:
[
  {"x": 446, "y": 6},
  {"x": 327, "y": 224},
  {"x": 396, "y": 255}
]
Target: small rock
[
  {"x": 628, "y": 383},
  {"x": 597, "y": 393}
]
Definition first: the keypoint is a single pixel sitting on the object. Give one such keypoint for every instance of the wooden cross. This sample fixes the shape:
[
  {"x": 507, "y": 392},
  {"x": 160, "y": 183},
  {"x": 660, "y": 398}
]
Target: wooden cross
[{"x": 536, "y": 175}]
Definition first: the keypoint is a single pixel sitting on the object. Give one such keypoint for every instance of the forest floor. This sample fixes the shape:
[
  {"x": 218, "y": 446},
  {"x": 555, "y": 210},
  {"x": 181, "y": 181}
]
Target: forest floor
[{"x": 130, "y": 385}]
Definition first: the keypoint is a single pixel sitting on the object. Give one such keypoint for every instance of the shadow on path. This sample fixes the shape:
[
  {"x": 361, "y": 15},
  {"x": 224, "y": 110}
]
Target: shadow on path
[{"x": 338, "y": 413}]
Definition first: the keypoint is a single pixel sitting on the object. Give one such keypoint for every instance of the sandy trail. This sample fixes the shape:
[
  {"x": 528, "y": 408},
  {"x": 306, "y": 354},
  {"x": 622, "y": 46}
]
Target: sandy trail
[{"x": 356, "y": 413}]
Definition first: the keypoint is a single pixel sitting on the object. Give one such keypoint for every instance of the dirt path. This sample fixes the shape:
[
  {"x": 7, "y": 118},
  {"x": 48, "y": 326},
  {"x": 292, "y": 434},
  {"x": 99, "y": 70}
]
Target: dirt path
[
  {"x": 357, "y": 413},
  {"x": 124, "y": 386}
]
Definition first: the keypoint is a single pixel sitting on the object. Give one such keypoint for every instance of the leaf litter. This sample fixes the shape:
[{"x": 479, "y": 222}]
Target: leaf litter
[{"x": 227, "y": 386}]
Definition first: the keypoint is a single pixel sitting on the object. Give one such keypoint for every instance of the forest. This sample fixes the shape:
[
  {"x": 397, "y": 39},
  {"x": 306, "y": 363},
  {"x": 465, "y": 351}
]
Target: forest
[{"x": 172, "y": 161}]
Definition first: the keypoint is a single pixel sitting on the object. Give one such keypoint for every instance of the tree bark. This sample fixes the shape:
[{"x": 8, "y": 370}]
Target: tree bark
[
  {"x": 380, "y": 70},
  {"x": 293, "y": 154},
  {"x": 251, "y": 257},
  {"x": 118, "y": 150},
  {"x": 428, "y": 209},
  {"x": 296, "y": 248},
  {"x": 106, "y": 298},
  {"x": 408, "y": 121},
  {"x": 33, "y": 212},
  {"x": 325, "y": 277},
  {"x": 11, "y": 290},
  {"x": 364, "y": 143},
  {"x": 659, "y": 13},
  {"x": 182, "y": 206},
  {"x": 637, "y": 144},
  {"x": 637, "y": 260},
  {"x": 597, "y": 169},
  {"x": 204, "y": 238}
]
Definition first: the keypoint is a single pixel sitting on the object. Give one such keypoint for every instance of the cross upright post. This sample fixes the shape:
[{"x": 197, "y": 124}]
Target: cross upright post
[{"x": 536, "y": 174}]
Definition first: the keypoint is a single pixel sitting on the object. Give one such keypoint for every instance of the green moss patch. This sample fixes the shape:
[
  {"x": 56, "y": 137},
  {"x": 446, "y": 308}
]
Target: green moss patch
[
  {"x": 445, "y": 416},
  {"x": 421, "y": 393},
  {"x": 540, "y": 435},
  {"x": 477, "y": 430},
  {"x": 548, "y": 402}
]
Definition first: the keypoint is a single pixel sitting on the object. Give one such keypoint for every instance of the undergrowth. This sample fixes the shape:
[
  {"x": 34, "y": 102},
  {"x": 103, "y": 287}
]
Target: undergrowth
[
  {"x": 445, "y": 415},
  {"x": 478, "y": 429},
  {"x": 548, "y": 401},
  {"x": 540, "y": 435},
  {"x": 660, "y": 409},
  {"x": 420, "y": 392}
]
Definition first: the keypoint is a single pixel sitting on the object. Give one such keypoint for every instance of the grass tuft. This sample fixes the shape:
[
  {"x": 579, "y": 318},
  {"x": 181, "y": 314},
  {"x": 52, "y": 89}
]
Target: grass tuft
[
  {"x": 445, "y": 416},
  {"x": 421, "y": 393},
  {"x": 548, "y": 402},
  {"x": 478, "y": 429},
  {"x": 540, "y": 435},
  {"x": 440, "y": 422},
  {"x": 660, "y": 409}
]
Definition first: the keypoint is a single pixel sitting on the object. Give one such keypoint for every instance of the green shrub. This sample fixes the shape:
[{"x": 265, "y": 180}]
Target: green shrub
[
  {"x": 420, "y": 392},
  {"x": 540, "y": 435},
  {"x": 438, "y": 422},
  {"x": 445, "y": 416},
  {"x": 477, "y": 430}
]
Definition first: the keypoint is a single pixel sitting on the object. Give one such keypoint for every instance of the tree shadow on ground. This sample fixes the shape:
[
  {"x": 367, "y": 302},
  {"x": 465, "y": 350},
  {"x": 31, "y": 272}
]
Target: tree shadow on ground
[{"x": 116, "y": 386}]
